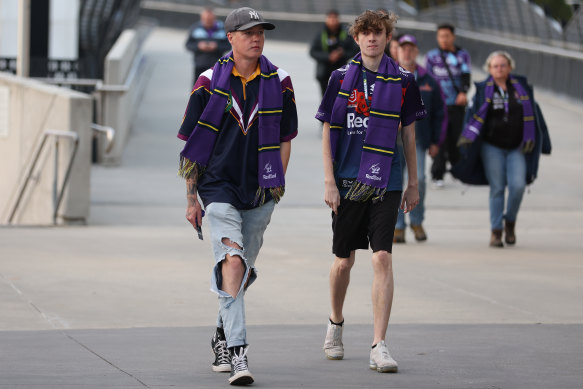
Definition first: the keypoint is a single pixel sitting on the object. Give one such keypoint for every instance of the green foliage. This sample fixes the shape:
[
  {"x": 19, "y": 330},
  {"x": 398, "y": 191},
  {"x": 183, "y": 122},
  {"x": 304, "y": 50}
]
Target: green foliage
[{"x": 558, "y": 9}]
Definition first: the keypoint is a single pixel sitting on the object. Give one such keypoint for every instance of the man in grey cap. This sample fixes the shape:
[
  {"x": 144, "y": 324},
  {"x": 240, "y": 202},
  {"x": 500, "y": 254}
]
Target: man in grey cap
[{"x": 238, "y": 127}]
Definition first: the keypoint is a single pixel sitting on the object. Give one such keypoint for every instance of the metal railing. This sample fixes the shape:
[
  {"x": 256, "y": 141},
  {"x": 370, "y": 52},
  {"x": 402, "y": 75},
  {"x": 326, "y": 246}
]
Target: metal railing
[
  {"x": 58, "y": 190},
  {"x": 57, "y": 193}
]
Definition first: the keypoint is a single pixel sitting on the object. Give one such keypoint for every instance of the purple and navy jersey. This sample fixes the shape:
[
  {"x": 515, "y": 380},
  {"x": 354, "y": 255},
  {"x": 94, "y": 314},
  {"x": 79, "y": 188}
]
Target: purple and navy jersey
[
  {"x": 231, "y": 173},
  {"x": 460, "y": 67},
  {"x": 348, "y": 153}
]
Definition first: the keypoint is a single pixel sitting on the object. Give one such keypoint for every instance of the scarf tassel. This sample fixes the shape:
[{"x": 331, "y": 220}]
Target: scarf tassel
[
  {"x": 362, "y": 192},
  {"x": 276, "y": 194},
  {"x": 190, "y": 168}
]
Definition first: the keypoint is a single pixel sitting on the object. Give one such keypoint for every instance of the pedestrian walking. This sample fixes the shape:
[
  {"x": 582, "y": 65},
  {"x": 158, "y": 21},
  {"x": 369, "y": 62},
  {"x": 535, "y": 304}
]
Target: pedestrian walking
[
  {"x": 364, "y": 105},
  {"x": 331, "y": 48},
  {"x": 392, "y": 49},
  {"x": 503, "y": 137},
  {"x": 429, "y": 133},
  {"x": 238, "y": 125},
  {"x": 450, "y": 66},
  {"x": 207, "y": 41}
]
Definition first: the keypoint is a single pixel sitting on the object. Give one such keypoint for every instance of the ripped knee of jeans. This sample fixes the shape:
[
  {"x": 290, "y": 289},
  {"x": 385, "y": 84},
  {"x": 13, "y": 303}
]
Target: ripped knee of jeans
[
  {"x": 231, "y": 250},
  {"x": 232, "y": 246}
]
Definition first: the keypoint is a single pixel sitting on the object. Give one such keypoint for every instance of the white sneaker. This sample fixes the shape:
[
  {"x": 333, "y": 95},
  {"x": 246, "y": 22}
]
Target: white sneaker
[
  {"x": 333, "y": 347},
  {"x": 438, "y": 184},
  {"x": 380, "y": 359}
]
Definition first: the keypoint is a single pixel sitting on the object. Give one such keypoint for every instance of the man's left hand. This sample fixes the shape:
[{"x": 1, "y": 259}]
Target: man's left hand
[
  {"x": 410, "y": 199},
  {"x": 433, "y": 150}
]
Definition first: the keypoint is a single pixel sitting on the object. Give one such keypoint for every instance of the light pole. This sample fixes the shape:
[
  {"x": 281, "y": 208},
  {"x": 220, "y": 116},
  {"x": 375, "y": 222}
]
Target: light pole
[{"x": 23, "y": 39}]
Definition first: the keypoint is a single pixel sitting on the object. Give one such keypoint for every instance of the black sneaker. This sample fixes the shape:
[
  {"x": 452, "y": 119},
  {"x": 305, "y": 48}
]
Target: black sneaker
[
  {"x": 222, "y": 361},
  {"x": 240, "y": 374}
]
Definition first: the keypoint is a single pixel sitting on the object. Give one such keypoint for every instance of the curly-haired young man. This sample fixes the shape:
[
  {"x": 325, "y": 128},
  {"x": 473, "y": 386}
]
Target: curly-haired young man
[{"x": 367, "y": 103}]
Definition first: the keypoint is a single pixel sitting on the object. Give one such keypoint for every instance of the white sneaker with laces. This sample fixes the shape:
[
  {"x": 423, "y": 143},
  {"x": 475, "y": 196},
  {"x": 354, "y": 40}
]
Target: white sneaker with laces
[
  {"x": 333, "y": 347},
  {"x": 381, "y": 360}
]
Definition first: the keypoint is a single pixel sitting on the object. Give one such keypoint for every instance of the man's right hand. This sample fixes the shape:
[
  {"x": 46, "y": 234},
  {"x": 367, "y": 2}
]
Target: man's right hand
[
  {"x": 461, "y": 99},
  {"x": 335, "y": 55},
  {"x": 194, "y": 212},
  {"x": 332, "y": 196}
]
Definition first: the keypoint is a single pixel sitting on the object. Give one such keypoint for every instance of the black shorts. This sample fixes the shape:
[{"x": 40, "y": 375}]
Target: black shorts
[{"x": 359, "y": 223}]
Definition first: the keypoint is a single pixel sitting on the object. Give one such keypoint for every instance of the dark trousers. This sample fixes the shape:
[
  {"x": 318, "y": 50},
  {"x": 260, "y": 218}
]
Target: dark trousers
[
  {"x": 449, "y": 150},
  {"x": 323, "y": 85},
  {"x": 197, "y": 72}
]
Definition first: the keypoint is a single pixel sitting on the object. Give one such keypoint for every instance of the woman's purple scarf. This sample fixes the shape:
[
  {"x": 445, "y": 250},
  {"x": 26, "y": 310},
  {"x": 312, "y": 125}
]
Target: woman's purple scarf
[
  {"x": 197, "y": 150},
  {"x": 475, "y": 124},
  {"x": 381, "y": 135}
]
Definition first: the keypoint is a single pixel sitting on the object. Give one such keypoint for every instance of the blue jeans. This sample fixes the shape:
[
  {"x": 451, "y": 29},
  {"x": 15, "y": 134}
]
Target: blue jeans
[
  {"x": 245, "y": 228},
  {"x": 504, "y": 168},
  {"x": 417, "y": 215}
]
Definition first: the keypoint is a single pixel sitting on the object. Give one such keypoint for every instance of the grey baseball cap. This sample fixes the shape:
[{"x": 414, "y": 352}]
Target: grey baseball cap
[{"x": 244, "y": 18}]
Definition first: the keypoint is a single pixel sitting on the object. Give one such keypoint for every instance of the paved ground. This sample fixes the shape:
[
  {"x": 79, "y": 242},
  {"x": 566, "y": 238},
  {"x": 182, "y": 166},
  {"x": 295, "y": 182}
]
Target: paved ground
[{"x": 124, "y": 301}]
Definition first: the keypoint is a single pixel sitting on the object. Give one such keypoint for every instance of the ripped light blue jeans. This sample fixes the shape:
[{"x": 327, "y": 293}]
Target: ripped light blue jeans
[{"x": 245, "y": 228}]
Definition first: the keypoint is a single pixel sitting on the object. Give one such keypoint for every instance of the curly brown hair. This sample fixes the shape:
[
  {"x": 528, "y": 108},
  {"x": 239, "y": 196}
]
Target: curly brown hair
[{"x": 373, "y": 21}]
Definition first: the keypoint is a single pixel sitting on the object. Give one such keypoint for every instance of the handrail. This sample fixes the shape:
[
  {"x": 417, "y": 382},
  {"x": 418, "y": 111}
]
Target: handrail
[
  {"x": 59, "y": 194},
  {"x": 109, "y": 134}
]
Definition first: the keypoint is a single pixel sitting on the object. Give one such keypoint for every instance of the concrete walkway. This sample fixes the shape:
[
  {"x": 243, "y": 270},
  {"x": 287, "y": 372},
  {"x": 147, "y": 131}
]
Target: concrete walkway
[{"x": 124, "y": 301}]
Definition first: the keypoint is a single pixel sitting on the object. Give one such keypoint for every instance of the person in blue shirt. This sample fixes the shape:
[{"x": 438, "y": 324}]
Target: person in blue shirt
[
  {"x": 207, "y": 41},
  {"x": 450, "y": 66},
  {"x": 429, "y": 132}
]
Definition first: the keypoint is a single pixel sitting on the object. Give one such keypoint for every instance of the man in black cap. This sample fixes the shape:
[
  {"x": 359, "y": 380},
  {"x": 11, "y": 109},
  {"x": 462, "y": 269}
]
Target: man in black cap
[{"x": 238, "y": 125}]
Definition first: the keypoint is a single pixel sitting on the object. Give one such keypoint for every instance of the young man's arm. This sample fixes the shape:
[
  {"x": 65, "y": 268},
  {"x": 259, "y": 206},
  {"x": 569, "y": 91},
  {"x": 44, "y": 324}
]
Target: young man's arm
[
  {"x": 193, "y": 208},
  {"x": 331, "y": 193},
  {"x": 198, "y": 100},
  {"x": 411, "y": 194},
  {"x": 285, "y": 151}
]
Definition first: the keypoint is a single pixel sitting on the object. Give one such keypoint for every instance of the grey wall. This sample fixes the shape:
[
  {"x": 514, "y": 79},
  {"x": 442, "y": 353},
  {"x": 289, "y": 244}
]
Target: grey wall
[{"x": 54, "y": 109}]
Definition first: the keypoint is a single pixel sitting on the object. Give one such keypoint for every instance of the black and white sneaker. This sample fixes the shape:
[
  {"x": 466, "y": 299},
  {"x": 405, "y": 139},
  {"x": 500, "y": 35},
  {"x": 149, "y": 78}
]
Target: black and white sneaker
[
  {"x": 240, "y": 374},
  {"x": 222, "y": 361}
]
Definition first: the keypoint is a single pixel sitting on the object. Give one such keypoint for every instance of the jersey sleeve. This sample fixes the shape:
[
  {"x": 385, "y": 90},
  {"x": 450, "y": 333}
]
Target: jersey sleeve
[
  {"x": 412, "y": 108},
  {"x": 289, "y": 116},
  {"x": 198, "y": 100}
]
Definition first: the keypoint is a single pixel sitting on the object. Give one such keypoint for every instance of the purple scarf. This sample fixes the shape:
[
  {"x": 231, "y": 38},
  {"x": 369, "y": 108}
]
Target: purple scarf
[
  {"x": 383, "y": 125},
  {"x": 198, "y": 149},
  {"x": 474, "y": 126}
]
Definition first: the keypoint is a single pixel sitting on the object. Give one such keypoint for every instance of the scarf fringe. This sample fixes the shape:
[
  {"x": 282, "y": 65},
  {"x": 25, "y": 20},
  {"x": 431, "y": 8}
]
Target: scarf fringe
[
  {"x": 276, "y": 194},
  {"x": 190, "y": 168},
  {"x": 362, "y": 192}
]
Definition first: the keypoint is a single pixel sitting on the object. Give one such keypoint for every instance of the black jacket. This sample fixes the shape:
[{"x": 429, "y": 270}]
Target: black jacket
[
  {"x": 470, "y": 170},
  {"x": 319, "y": 50}
]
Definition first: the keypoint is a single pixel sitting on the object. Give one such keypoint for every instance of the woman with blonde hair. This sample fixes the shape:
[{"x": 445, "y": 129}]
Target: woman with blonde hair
[{"x": 503, "y": 136}]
